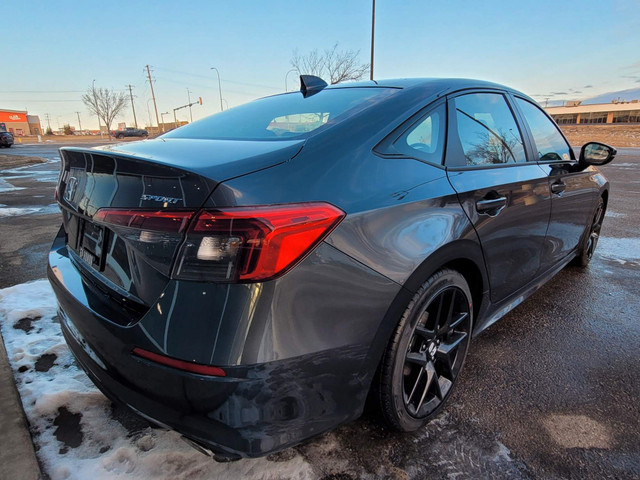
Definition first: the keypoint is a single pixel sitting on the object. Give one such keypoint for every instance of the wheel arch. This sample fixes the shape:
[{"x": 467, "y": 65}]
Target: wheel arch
[
  {"x": 605, "y": 197},
  {"x": 465, "y": 256}
]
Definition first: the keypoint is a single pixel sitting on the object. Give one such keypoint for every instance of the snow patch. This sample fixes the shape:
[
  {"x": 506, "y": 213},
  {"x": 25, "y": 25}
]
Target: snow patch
[
  {"x": 107, "y": 449},
  {"x": 620, "y": 250},
  {"x": 611, "y": 214},
  {"x": 623, "y": 164},
  {"x": 7, "y": 187},
  {"x": 19, "y": 211}
]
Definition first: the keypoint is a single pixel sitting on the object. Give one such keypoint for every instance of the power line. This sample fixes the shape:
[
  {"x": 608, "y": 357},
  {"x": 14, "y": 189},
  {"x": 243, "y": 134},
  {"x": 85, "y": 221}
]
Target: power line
[
  {"x": 41, "y": 91},
  {"x": 191, "y": 75}
]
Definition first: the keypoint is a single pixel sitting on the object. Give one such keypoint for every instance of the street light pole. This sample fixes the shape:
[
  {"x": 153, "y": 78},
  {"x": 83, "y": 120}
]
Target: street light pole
[
  {"x": 162, "y": 116},
  {"x": 149, "y": 113},
  {"x": 286, "y": 89},
  {"x": 373, "y": 26},
  {"x": 219, "y": 86},
  {"x": 189, "y": 98}
]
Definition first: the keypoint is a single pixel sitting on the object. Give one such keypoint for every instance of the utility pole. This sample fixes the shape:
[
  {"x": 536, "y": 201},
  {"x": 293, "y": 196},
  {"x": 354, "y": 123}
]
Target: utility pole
[
  {"x": 79, "y": 122},
  {"x": 155, "y": 106},
  {"x": 373, "y": 26},
  {"x": 189, "y": 98},
  {"x": 135, "y": 120},
  {"x": 48, "y": 117}
]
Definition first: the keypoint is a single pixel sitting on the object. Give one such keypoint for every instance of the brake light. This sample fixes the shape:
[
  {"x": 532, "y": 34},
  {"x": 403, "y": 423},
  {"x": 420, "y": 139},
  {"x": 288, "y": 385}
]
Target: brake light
[
  {"x": 155, "y": 235},
  {"x": 251, "y": 244},
  {"x": 153, "y": 220},
  {"x": 180, "y": 364},
  {"x": 236, "y": 244}
]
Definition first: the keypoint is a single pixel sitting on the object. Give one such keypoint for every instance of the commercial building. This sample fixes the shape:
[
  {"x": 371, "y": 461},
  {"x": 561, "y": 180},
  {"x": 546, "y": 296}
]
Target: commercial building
[
  {"x": 19, "y": 122},
  {"x": 616, "y": 112},
  {"x": 34, "y": 125}
]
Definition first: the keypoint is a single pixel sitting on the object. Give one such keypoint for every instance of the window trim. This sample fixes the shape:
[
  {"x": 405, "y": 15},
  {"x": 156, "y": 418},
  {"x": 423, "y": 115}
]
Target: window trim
[
  {"x": 534, "y": 149},
  {"x": 386, "y": 148},
  {"x": 453, "y": 139}
]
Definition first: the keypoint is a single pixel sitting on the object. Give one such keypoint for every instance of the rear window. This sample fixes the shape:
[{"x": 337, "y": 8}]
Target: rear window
[{"x": 285, "y": 116}]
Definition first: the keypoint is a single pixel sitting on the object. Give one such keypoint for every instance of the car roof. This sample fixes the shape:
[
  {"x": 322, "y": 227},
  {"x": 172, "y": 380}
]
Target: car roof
[{"x": 436, "y": 85}]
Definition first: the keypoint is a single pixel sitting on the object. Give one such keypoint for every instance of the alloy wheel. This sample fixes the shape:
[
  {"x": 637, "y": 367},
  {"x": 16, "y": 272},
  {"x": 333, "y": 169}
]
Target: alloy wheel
[
  {"x": 594, "y": 235},
  {"x": 436, "y": 351}
]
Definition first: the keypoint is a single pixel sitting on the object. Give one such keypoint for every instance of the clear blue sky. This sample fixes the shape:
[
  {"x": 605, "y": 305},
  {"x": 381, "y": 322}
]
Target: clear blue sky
[{"x": 52, "y": 51}]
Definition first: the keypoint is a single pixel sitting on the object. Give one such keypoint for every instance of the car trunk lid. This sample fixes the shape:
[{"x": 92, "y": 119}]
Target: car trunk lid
[{"x": 125, "y": 208}]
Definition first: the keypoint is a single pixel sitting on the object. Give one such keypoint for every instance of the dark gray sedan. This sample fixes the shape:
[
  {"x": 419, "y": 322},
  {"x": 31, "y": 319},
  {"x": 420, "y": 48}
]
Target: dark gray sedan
[{"x": 250, "y": 279}]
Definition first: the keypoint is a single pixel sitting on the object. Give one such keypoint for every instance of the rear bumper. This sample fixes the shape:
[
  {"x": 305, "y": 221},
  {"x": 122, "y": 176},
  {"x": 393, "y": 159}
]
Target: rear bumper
[{"x": 274, "y": 395}]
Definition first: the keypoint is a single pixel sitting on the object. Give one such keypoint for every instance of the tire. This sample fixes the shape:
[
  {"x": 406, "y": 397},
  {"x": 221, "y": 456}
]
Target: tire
[
  {"x": 590, "y": 241},
  {"x": 426, "y": 352}
]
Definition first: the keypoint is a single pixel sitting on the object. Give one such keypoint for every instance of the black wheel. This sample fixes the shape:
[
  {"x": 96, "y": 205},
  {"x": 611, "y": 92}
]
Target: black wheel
[
  {"x": 591, "y": 240},
  {"x": 427, "y": 351}
]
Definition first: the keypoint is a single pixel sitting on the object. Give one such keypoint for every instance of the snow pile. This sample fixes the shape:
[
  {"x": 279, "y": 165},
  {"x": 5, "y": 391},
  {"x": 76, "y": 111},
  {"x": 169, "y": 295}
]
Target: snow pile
[
  {"x": 19, "y": 211},
  {"x": 72, "y": 423}
]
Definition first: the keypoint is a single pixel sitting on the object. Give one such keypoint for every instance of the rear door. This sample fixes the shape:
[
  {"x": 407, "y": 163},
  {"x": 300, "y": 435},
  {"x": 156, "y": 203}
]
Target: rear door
[
  {"x": 572, "y": 191},
  {"x": 505, "y": 195}
]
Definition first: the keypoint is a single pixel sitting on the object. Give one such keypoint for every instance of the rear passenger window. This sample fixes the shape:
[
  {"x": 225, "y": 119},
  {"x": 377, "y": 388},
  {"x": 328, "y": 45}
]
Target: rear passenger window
[
  {"x": 487, "y": 130},
  {"x": 550, "y": 143},
  {"x": 425, "y": 139}
]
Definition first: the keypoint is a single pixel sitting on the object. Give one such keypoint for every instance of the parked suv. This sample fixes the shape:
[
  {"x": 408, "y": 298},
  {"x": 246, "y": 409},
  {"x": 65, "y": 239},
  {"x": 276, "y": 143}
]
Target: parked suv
[
  {"x": 6, "y": 139},
  {"x": 131, "y": 132}
]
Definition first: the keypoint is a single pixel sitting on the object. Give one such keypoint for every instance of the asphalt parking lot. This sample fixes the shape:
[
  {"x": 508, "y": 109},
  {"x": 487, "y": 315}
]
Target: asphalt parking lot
[{"x": 550, "y": 391}]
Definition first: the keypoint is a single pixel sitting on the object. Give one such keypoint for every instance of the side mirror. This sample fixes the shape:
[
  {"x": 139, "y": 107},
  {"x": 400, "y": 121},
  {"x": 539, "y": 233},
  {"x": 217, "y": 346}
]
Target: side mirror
[{"x": 596, "y": 153}]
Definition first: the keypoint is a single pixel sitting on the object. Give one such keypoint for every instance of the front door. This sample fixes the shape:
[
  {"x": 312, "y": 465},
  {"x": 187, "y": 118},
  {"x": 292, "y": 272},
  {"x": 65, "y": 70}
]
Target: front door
[
  {"x": 572, "y": 192},
  {"x": 505, "y": 196}
]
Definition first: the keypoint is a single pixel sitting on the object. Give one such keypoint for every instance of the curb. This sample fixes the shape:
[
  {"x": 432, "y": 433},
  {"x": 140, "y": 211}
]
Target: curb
[{"x": 17, "y": 455}]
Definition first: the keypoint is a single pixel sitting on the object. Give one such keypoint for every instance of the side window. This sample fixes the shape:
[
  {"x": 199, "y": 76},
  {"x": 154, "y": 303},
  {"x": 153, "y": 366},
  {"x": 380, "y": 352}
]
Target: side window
[
  {"x": 425, "y": 139},
  {"x": 550, "y": 144},
  {"x": 488, "y": 132}
]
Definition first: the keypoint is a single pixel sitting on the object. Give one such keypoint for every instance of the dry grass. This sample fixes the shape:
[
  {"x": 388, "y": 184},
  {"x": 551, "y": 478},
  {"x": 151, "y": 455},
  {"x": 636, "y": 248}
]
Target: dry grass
[
  {"x": 12, "y": 161},
  {"x": 615, "y": 135}
]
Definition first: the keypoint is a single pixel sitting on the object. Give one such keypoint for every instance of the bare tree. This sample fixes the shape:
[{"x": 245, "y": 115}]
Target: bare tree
[
  {"x": 333, "y": 64},
  {"x": 106, "y": 104}
]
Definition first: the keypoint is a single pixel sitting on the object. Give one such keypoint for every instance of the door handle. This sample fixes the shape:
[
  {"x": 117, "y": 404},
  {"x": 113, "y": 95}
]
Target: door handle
[
  {"x": 558, "y": 187},
  {"x": 491, "y": 206}
]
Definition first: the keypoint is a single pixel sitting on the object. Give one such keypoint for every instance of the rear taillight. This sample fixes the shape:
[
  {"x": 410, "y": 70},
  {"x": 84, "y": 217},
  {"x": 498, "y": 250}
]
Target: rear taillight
[
  {"x": 155, "y": 234},
  {"x": 238, "y": 244},
  {"x": 251, "y": 244}
]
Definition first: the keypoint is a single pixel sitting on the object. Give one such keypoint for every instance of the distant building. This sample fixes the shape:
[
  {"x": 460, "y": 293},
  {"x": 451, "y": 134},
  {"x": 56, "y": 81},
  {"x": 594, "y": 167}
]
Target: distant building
[
  {"x": 14, "y": 121},
  {"x": 575, "y": 113},
  {"x": 34, "y": 125}
]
